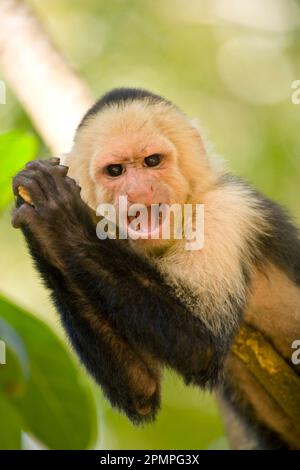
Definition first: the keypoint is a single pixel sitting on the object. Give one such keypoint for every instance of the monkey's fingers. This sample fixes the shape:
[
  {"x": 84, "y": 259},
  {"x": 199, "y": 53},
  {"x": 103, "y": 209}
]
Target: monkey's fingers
[
  {"x": 25, "y": 195},
  {"x": 54, "y": 160}
]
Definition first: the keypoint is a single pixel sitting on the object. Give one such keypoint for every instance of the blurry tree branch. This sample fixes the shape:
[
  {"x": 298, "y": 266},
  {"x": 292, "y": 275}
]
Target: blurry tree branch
[{"x": 52, "y": 93}]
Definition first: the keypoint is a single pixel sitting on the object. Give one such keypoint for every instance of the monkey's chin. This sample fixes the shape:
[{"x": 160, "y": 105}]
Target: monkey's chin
[
  {"x": 149, "y": 240},
  {"x": 154, "y": 237},
  {"x": 145, "y": 233},
  {"x": 150, "y": 246}
]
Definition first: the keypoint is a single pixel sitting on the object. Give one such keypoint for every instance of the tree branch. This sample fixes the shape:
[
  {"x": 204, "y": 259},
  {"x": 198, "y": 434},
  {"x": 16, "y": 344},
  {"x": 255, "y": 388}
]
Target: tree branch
[
  {"x": 45, "y": 83},
  {"x": 273, "y": 373}
]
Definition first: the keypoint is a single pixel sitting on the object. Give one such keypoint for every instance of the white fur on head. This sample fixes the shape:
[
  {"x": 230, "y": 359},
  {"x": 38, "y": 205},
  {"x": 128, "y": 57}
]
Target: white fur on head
[{"x": 149, "y": 119}]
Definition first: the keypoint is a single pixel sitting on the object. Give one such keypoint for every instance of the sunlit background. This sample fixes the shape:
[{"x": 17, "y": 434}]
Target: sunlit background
[{"x": 231, "y": 64}]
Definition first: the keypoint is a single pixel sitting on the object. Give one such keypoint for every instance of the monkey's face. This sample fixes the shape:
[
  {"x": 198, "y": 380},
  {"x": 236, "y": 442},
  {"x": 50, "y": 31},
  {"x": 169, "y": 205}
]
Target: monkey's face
[
  {"x": 141, "y": 167},
  {"x": 145, "y": 153}
]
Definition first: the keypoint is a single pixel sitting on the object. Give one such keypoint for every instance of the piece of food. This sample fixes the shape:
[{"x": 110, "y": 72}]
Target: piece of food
[{"x": 25, "y": 195}]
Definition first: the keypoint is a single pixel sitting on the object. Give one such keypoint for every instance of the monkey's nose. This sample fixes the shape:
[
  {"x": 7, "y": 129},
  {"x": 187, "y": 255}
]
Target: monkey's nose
[{"x": 146, "y": 198}]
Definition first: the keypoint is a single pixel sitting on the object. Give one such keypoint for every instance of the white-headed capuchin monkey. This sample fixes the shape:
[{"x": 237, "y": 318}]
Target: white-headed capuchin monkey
[{"x": 132, "y": 306}]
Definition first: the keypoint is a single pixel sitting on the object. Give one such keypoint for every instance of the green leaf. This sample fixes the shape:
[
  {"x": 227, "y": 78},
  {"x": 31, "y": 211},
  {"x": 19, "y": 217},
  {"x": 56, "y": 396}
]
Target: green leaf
[
  {"x": 16, "y": 149},
  {"x": 12, "y": 378},
  {"x": 13, "y": 340},
  {"x": 10, "y": 426},
  {"x": 57, "y": 405},
  {"x": 12, "y": 383}
]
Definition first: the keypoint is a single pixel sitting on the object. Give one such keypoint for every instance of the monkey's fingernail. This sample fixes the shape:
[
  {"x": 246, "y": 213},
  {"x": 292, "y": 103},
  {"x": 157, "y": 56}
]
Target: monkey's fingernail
[{"x": 54, "y": 160}]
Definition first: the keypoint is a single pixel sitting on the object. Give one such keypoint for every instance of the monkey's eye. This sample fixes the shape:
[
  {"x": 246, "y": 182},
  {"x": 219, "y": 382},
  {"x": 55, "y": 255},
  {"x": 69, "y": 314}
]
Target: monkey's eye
[
  {"x": 114, "y": 170},
  {"x": 153, "y": 160}
]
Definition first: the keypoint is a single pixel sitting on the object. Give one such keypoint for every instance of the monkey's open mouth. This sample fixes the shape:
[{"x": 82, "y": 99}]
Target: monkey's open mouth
[{"x": 146, "y": 223}]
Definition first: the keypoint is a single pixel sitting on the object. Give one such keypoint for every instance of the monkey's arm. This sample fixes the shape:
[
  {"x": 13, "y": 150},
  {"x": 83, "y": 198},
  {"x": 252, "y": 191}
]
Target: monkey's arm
[
  {"x": 130, "y": 383},
  {"x": 131, "y": 295}
]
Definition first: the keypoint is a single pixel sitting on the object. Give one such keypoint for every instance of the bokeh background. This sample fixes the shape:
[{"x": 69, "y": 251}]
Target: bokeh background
[{"x": 231, "y": 64}]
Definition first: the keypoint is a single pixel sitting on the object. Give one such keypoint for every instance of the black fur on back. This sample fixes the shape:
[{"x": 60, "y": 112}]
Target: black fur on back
[
  {"x": 283, "y": 246},
  {"x": 120, "y": 96}
]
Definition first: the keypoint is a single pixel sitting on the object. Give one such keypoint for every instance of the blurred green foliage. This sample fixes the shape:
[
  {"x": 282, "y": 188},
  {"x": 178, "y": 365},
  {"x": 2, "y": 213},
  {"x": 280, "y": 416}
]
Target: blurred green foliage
[
  {"x": 232, "y": 65},
  {"x": 42, "y": 392},
  {"x": 16, "y": 148}
]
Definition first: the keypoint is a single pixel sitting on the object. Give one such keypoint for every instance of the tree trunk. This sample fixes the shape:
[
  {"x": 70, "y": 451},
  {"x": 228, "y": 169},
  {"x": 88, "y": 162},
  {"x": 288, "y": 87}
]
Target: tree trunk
[{"x": 49, "y": 89}]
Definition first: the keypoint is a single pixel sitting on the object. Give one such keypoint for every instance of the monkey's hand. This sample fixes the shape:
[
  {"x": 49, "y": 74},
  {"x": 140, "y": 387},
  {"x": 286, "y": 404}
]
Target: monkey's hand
[{"x": 53, "y": 206}]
